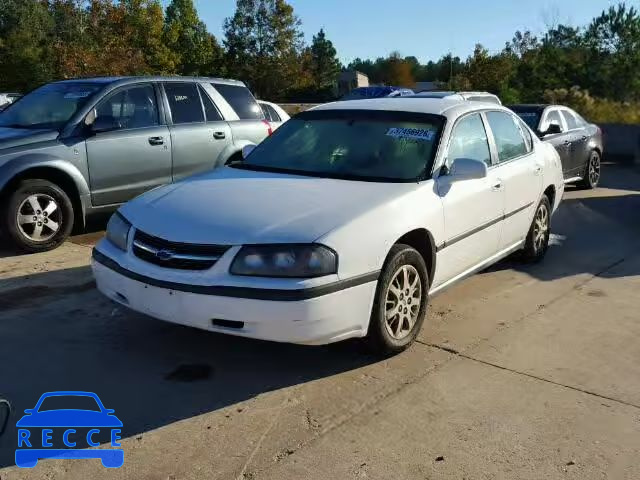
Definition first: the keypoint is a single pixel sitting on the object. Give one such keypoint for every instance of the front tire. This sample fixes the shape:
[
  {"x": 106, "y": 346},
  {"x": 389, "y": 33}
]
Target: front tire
[
  {"x": 400, "y": 303},
  {"x": 591, "y": 176},
  {"x": 39, "y": 216},
  {"x": 537, "y": 241}
]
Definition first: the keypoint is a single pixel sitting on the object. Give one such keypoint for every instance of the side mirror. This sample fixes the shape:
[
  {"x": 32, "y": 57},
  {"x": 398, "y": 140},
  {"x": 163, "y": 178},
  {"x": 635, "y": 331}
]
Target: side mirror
[
  {"x": 552, "y": 129},
  {"x": 467, "y": 169},
  {"x": 104, "y": 124},
  {"x": 247, "y": 149}
]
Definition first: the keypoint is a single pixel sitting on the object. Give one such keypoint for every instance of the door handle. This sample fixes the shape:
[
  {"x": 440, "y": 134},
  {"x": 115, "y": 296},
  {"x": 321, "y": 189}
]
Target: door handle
[
  {"x": 156, "y": 141},
  {"x": 219, "y": 135},
  {"x": 537, "y": 170},
  {"x": 497, "y": 186},
  {"x": 567, "y": 143},
  {"x": 584, "y": 137}
]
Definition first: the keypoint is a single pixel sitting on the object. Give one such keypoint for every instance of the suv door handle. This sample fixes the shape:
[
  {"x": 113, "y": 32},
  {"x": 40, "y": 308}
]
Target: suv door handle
[
  {"x": 156, "y": 141},
  {"x": 219, "y": 135}
]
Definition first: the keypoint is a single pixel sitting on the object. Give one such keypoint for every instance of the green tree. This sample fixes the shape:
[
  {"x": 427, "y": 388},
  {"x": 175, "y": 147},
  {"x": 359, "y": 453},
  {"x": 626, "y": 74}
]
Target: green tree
[
  {"x": 264, "y": 46},
  {"x": 197, "y": 52},
  {"x": 325, "y": 66},
  {"x": 26, "y": 27}
]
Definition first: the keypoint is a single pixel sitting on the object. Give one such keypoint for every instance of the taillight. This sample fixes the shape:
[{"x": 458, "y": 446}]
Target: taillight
[{"x": 269, "y": 129}]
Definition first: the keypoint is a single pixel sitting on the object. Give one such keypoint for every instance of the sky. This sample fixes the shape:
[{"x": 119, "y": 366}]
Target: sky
[{"x": 426, "y": 29}]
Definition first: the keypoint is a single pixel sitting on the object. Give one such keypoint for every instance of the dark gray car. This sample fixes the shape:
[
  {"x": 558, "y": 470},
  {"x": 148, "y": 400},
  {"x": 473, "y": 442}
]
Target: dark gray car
[
  {"x": 75, "y": 148},
  {"x": 578, "y": 142}
]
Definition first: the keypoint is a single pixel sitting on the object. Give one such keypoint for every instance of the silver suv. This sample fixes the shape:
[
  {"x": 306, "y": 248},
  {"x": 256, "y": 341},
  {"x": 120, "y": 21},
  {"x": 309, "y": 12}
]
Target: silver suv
[{"x": 75, "y": 148}]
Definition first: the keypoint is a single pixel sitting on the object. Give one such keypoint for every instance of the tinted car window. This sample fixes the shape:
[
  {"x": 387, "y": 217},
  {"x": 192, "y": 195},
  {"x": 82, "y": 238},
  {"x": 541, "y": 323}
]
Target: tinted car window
[
  {"x": 265, "y": 110},
  {"x": 507, "y": 135},
  {"x": 241, "y": 101},
  {"x": 133, "y": 107},
  {"x": 212, "y": 113},
  {"x": 571, "y": 121},
  {"x": 273, "y": 114},
  {"x": 469, "y": 140},
  {"x": 184, "y": 101}
]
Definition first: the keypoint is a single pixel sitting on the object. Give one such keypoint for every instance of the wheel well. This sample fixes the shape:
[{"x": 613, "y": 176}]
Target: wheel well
[
  {"x": 235, "y": 157},
  {"x": 550, "y": 192},
  {"x": 53, "y": 175},
  {"x": 422, "y": 240}
]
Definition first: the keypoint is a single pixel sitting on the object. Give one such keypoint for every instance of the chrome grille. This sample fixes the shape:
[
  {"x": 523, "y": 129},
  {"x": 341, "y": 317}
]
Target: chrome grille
[{"x": 181, "y": 256}]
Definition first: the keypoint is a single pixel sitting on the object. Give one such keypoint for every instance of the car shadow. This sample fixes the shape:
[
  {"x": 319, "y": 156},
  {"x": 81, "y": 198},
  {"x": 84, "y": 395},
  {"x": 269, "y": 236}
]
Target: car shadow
[
  {"x": 592, "y": 230},
  {"x": 70, "y": 337}
]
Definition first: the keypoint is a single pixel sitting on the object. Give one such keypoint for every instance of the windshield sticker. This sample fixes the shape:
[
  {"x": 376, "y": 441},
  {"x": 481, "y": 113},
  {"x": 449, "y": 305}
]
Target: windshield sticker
[
  {"x": 412, "y": 134},
  {"x": 73, "y": 95}
]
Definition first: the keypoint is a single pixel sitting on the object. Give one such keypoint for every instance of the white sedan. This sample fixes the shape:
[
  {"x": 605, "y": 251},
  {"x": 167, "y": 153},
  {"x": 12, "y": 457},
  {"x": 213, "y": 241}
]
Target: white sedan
[{"x": 339, "y": 225}]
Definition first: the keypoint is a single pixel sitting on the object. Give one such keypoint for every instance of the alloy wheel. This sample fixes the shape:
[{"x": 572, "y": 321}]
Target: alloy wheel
[
  {"x": 541, "y": 227},
  {"x": 403, "y": 301},
  {"x": 594, "y": 169},
  {"x": 39, "y": 217}
]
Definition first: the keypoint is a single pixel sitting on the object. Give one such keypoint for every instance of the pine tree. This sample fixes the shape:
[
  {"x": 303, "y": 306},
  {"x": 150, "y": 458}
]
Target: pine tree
[{"x": 325, "y": 66}]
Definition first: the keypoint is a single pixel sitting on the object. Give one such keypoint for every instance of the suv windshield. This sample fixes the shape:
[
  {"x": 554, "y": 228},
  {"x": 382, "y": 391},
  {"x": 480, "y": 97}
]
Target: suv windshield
[
  {"x": 48, "y": 107},
  {"x": 352, "y": 144}
]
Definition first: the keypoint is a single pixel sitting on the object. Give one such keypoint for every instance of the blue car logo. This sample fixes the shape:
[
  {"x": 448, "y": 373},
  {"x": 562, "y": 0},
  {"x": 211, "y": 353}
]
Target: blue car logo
[{"x": 42, "y": 430}]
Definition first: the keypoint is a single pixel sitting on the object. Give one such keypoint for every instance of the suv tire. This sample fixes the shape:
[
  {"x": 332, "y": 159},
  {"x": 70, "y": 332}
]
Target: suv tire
[{"x": 39, "y": 216}]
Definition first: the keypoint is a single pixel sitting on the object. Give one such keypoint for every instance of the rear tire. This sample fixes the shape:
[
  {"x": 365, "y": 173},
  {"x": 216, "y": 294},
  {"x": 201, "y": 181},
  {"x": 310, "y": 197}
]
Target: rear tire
[
  {"x": 400, "y": 303},
  {"x": 592, "y": 171},
  {"x": 38, "y": 217},
  {"x": 537, "y": 241}
]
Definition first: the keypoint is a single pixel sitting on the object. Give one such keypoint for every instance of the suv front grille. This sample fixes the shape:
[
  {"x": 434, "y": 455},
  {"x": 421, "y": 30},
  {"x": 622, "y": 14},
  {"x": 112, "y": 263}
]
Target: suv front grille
[{"x": 181, "y": 256}]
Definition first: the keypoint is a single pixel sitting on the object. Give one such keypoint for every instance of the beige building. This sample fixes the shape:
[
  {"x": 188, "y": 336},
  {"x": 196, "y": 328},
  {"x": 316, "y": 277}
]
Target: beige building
[{"x": 350, "y": 80}]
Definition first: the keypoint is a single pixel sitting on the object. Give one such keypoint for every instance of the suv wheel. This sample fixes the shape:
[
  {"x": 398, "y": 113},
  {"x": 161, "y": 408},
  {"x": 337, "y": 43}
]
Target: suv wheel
[
  {"x": 39, "y": 216},
  {"x": 400, "y": 302}
]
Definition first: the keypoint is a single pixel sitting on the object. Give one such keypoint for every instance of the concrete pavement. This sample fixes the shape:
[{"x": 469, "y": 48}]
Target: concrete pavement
[{"x": 521, "y": 372}]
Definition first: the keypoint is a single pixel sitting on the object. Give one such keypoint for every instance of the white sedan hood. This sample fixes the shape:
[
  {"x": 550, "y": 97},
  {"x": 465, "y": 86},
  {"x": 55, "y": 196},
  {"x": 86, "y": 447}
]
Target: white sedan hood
[{"x": 233, "y": 207}]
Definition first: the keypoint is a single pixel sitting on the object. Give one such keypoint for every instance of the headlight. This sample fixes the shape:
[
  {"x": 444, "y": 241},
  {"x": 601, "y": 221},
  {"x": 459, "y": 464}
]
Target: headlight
[
  {"x": 118, "y": 231},
  {"x": 292, "y": 261}
]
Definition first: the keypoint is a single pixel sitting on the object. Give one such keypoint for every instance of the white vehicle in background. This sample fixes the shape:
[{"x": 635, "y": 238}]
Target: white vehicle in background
[
  {"x": 468, "y": 96},
  {"x": 7, "y": 99},
  {"x": 274, "y": 114},
  {"x": 339, "y": 225}
]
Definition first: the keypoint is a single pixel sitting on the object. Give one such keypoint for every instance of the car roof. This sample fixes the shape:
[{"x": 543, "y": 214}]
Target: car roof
[
  {"x": 448, "y": 107},
  {"x": 151, "y": 78}
]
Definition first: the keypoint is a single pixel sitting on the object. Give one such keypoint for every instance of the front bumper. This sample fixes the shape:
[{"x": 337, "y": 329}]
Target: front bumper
[{"x": 308, "y": 316}]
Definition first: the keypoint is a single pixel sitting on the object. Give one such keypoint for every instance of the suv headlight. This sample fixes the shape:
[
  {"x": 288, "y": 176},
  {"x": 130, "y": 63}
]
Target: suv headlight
[
  {"x": 291, "y": 261},
  {"x": 118, "y": 231}
]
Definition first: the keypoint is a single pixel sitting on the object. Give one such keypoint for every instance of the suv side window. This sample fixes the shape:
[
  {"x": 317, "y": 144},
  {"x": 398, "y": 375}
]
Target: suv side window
[
  {"x": 133, "y": 107},
  {"x": 507, "y": 134},
  {"x": 184, "y": 101},
  {"x": 469, "y": 140},
  {"x": 570, "y": 119},
  {"x": 241, "y": 101},
  {"x": 210, "y": 110}
]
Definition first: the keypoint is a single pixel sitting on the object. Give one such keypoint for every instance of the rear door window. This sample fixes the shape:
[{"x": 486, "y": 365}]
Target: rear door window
[
  {"x": 241, "y": 101},
  {"x": 184, "y": 101},
  {"x": 570, "y": 119},
  {"x": 508, "y": 136}
]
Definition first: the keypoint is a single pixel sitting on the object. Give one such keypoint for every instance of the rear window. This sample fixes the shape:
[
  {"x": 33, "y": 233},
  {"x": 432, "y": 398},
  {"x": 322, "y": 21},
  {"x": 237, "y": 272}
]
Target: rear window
[
  {"x": 241, "y": 101},
  {"x": 273, "y": 114}
]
